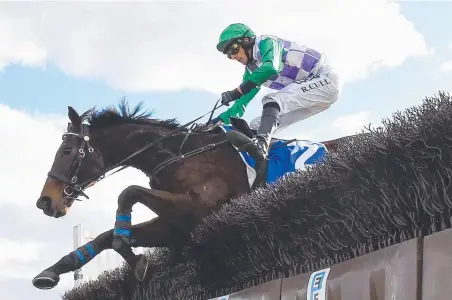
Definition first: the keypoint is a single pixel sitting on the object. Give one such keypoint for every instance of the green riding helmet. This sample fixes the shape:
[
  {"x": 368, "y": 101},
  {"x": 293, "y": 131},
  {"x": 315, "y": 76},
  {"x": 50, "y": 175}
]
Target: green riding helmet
[{"x": 233, "y": 32}]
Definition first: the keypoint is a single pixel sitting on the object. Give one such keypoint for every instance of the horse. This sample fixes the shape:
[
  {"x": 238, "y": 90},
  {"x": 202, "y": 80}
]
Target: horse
[{"x": 192, "y": 173}]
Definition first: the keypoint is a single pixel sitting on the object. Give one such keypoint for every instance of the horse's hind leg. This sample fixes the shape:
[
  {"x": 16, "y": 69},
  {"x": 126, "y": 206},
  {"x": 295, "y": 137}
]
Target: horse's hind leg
[{"x": 154, "y": 233}]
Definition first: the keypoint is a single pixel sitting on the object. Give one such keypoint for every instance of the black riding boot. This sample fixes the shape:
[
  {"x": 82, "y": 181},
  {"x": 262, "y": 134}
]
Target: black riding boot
[{"x": 269, "y": 123}]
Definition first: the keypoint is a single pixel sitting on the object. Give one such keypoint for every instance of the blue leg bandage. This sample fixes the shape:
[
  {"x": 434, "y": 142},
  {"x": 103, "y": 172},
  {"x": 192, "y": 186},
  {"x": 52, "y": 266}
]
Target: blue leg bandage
[
  {"x": 85, "y": 253},
  {"x": 122, "y": 224}
]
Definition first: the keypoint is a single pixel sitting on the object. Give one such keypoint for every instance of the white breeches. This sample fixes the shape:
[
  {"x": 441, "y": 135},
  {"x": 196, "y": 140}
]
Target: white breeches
[{"x": 301, "y": 100}]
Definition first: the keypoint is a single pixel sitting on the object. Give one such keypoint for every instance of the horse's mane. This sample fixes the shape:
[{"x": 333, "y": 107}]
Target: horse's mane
[{"x": 123, "y": 114}]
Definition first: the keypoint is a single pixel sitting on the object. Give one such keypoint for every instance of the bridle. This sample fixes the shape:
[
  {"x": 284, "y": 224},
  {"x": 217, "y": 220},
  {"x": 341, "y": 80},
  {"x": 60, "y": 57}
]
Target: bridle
[
  {"x": 85, "y": 147},
  {"x": 75, "y": 189}
]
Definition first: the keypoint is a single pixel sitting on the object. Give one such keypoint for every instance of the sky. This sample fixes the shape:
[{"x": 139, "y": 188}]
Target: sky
[{"x": 57, "y": 54}]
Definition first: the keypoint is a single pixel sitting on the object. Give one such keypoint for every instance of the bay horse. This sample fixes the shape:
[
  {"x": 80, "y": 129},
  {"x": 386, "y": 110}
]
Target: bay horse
[{"x": 192, "y": 173}]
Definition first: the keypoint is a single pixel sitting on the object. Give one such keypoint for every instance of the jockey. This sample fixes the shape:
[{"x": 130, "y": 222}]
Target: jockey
[{"x": 304, "y": 82}]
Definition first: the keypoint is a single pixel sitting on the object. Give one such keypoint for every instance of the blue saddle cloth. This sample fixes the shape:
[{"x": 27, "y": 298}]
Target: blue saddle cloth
[{"x": 285, "y": 157}]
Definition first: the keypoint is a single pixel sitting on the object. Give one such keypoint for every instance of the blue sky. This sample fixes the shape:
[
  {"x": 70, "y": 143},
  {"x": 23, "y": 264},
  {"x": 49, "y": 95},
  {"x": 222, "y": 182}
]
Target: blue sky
[{"x": 52, "y": 56}]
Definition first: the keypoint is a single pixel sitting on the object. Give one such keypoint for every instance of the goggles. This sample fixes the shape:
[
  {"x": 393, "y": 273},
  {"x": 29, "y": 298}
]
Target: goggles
[{"x": 232, "y": 49}]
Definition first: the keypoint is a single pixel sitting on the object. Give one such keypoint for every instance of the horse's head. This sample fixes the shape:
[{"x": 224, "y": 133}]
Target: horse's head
[{"x": 77, "y": 164}]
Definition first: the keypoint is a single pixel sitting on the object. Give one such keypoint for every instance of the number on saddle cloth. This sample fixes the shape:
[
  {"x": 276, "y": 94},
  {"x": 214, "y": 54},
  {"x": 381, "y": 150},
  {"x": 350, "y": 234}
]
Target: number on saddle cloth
[{"x": 284, "y": 156}]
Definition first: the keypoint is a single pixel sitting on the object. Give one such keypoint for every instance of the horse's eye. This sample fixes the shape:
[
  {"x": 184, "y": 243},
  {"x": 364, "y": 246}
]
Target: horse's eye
[{"x": 67, "y": 151}]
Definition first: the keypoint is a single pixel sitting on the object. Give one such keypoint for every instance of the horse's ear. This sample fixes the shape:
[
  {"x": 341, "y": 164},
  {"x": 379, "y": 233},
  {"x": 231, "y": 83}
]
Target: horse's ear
[{"x": 73, "y": 116}]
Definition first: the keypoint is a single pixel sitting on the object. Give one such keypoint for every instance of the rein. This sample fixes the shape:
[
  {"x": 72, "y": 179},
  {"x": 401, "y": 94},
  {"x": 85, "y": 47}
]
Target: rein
[
  {"x": 72, "y": 185},
  {"x": 182, "y": 156}
]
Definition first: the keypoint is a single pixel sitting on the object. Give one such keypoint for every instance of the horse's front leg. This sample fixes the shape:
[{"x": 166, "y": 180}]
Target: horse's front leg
[
  {"x": 181, "y": 211},
  {"x": 154, "y": 233}
]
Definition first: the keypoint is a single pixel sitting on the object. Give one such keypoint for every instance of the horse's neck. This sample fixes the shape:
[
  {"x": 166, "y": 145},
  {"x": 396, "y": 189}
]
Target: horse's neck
[{"x": 127, "y": 141}]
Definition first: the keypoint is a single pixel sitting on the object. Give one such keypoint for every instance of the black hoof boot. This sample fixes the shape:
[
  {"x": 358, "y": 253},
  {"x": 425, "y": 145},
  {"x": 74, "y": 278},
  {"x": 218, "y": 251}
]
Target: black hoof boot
[{"x": 46, "y": 280}]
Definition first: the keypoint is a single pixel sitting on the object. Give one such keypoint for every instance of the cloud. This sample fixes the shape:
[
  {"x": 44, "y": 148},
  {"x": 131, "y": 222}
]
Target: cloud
[
  {"x": 31, "y": 241},
  {"x": 20, "y": 289},
  {"x": 166, "y": 45},
  {"x": 18, "y": 251},
  {"x": 352, "y": 123},
  {"x": 445, "y": 66}
]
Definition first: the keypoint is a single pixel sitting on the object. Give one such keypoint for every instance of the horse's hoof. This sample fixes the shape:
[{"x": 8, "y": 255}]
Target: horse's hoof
[
  {"x": 141, "y": 268},
  {"x": 46, "y": 280}
]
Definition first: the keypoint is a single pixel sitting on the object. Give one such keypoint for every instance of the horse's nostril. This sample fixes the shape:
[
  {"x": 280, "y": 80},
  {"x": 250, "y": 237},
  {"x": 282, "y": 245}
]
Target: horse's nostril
[{"x": 44, "y": 202}]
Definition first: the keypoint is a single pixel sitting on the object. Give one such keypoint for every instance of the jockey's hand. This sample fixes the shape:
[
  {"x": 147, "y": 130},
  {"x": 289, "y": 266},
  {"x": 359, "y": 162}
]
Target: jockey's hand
[{"x": 230, "y": 96}]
